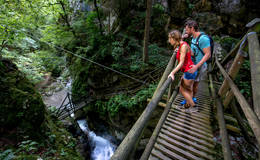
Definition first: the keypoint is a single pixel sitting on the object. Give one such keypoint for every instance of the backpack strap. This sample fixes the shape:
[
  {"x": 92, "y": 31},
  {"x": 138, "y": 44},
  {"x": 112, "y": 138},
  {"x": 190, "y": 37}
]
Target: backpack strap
[{"x": 197, "y": 44}]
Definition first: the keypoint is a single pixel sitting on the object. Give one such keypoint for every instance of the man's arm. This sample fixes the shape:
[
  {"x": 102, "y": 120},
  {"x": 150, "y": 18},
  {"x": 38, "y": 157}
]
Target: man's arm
[{"x": 206, "y": 56}]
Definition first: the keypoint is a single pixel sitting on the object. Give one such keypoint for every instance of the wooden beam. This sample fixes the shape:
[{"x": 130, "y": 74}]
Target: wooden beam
[
  {"x": 249, "y": 113},
  {"x": 228, "y": 98},
  {"x": 222, "y": 125},
  {"x": 254, "y": 56},
  {"x": 166, "y": 73},
  {"x": 157, "y": 129},
  {"x": 234, "y": 69},
  {"x": 127, "y": 146}
]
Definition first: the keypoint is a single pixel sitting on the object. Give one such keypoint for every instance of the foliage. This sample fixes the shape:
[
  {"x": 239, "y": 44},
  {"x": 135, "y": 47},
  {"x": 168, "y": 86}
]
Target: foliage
[
  {"x": 120, "y": 101},
  {"x": 7, "y": 154},
  {"x": 127, "y": 54},
  {"x": 36, "y": 64},
  {"x": 228, "y": 43},
  {"x": 243, "y": 79}
]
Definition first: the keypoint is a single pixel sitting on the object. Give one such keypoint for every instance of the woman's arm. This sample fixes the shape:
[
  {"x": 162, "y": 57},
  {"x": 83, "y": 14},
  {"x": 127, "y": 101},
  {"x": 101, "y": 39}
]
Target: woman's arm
[{"x": 183, "y": 52}]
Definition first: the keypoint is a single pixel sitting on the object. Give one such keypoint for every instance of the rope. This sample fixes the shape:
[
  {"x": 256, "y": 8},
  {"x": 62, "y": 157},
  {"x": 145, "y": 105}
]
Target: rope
[{"x": 79, "y": 56}]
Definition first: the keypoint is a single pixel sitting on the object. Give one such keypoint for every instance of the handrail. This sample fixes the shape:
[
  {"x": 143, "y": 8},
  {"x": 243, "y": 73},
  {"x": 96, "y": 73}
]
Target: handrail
[
  {"x": 129, "y": 142},
  {"x": 222, "y": 125},
  {"x": 166, "y": 73},
  {"x": 155, "y": 134},
  {"x": 249, "y": 113}
]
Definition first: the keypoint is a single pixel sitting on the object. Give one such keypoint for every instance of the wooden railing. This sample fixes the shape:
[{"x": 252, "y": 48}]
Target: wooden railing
[
  {"x": 229, "y": 89},
  {"x": 128, "y": 145},
  {"x": 223, "y": 97}
]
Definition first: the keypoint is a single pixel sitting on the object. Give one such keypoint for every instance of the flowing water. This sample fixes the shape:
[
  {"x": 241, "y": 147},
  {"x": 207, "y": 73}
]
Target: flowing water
[{"x": 102, "y": 149}]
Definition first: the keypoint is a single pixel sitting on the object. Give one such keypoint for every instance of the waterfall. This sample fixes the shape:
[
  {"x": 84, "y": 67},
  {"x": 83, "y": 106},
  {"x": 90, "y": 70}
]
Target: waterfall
[{"x": 102, "y": 149}]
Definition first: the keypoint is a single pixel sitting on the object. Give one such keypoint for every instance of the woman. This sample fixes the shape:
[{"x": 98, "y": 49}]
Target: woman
[{"x": 185, "y": 63}]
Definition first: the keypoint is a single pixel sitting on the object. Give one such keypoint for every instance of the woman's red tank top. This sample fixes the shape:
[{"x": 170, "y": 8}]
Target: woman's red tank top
[{"x": 187, "y": 62}]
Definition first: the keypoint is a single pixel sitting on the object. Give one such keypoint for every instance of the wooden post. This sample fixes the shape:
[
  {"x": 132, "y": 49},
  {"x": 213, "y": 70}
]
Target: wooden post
[
  {"x": 249, "y": 113},
  {"x": 124, "y": 149},
  {"x": 236, "y": 65},
  {"x": 222, "y": 125},
  {"x": 228, "y": 98},
  {"x": 254, "y": 56}
]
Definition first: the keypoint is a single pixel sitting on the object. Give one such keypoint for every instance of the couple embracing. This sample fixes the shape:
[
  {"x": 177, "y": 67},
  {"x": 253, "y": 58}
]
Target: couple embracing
[{"x": 191, "y": 60}]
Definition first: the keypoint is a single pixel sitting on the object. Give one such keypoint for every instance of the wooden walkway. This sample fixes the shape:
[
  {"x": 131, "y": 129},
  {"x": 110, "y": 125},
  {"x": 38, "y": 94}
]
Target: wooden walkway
[{"x": 187, "y": 135}]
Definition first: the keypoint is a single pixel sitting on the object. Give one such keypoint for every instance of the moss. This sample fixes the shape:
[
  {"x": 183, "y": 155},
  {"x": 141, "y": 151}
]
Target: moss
[
  {"x": 228, "y": 42},
  {"x": 21, "y": 107}
]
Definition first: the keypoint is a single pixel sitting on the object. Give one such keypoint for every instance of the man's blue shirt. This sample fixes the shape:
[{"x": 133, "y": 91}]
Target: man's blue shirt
[{"x": 204, "y": 42}]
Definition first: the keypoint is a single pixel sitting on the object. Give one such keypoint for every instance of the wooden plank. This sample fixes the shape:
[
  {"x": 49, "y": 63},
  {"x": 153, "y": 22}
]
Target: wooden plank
[
  {"x": 249, "y": 113},
  {"x": 198, "y": 119},
  {"x": 159, "y": 155},
  {"x": 235, "y": 67},
  {"x": 176, "y": 149},
  {"x": 151, "y": 157},
  {"x": 187, "y": 148},
  {"x": 161, "y": 104},
  {"x": 196, "y": 139},
  {"x": 254, "y": 56},
  {"x": 198, "y": 134},
  {"x": 198, "y": 114},
  {"x": 222, "y": 125},
  {"x": 190, "y": 123},
  {"x": 202, "y": 117},
  {"x": 191, "y": 119},
  {"x": 190, "y": 129},
  {"x": 188, "y": 142},
  {"x": 168, "y": 152}
]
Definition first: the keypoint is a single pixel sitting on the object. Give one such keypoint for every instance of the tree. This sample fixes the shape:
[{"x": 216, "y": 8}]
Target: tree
[{"x": 146, "y": 31}]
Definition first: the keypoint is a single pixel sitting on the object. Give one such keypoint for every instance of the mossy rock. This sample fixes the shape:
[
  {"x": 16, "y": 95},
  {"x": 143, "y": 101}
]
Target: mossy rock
[{"x": 21, "y": 106}]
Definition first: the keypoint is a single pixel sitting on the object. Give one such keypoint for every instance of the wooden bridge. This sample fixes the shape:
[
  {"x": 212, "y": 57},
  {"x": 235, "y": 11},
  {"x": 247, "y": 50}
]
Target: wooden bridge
[{"x": 182, "y": 135}]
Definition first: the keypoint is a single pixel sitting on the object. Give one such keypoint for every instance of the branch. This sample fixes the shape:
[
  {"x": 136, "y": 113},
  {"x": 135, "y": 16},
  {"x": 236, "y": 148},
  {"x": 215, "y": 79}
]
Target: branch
[
  {"x": 96, "y": 8},
  {"x": 65, "y": 17}
]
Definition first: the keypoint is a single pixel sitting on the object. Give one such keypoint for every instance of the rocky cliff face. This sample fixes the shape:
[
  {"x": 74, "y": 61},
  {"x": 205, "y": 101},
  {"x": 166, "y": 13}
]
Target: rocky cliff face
[
  {"x": 21, "y": 106},
  {"x": 216, "y": 16}
]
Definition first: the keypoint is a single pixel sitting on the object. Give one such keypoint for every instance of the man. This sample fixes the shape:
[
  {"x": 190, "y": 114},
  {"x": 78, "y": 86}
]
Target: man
[{"x": 192, "y": 29}]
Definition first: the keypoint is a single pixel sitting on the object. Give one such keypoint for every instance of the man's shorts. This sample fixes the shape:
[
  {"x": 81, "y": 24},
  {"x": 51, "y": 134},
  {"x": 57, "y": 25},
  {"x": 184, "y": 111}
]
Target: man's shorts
[
  {"x": 201, "y": 72},
  {"x": 190, "y": 76}
]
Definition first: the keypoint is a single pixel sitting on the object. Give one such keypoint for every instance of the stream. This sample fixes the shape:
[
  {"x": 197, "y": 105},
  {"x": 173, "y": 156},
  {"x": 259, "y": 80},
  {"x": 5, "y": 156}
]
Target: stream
[
  {"x": 101, "y": 146},
  {"x": 102, "y": 149}
]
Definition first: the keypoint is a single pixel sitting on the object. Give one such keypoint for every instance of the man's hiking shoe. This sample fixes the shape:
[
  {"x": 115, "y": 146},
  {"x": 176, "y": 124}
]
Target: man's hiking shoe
[
  {"x": 184, "y": 101},
  {"x": 193, "y": 109}
]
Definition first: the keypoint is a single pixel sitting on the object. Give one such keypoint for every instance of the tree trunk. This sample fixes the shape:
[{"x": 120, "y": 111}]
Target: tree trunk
[
  {"x": 100, "y": 24},
  {"x": 66, "y": 18},
  {"x": 146, "y": 31}
]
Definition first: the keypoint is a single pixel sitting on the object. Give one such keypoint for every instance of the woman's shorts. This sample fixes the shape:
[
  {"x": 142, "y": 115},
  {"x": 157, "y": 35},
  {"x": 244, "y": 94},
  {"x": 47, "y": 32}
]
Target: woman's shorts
[{"x": 190, "y": 76}]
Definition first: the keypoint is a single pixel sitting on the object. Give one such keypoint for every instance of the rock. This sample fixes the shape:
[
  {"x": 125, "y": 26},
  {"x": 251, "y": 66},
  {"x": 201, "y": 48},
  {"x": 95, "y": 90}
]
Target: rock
[
  {"x": 21, "y": 106},
  {"x": 119, "y": 135}
]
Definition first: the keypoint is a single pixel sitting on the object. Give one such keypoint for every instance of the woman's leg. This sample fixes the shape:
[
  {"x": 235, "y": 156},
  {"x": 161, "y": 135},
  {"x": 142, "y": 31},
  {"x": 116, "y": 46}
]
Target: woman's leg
[{"x": 186, "y": 90}]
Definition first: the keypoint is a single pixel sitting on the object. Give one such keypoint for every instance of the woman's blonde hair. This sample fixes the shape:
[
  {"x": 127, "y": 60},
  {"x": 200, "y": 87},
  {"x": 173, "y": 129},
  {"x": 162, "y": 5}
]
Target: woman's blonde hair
[{"x": 176, "y": 35}]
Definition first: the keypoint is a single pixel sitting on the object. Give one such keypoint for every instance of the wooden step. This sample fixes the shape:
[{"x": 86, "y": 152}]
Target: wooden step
[
  {"x": 187, "y": 148},
  {"x": 199, "y": 134}
]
